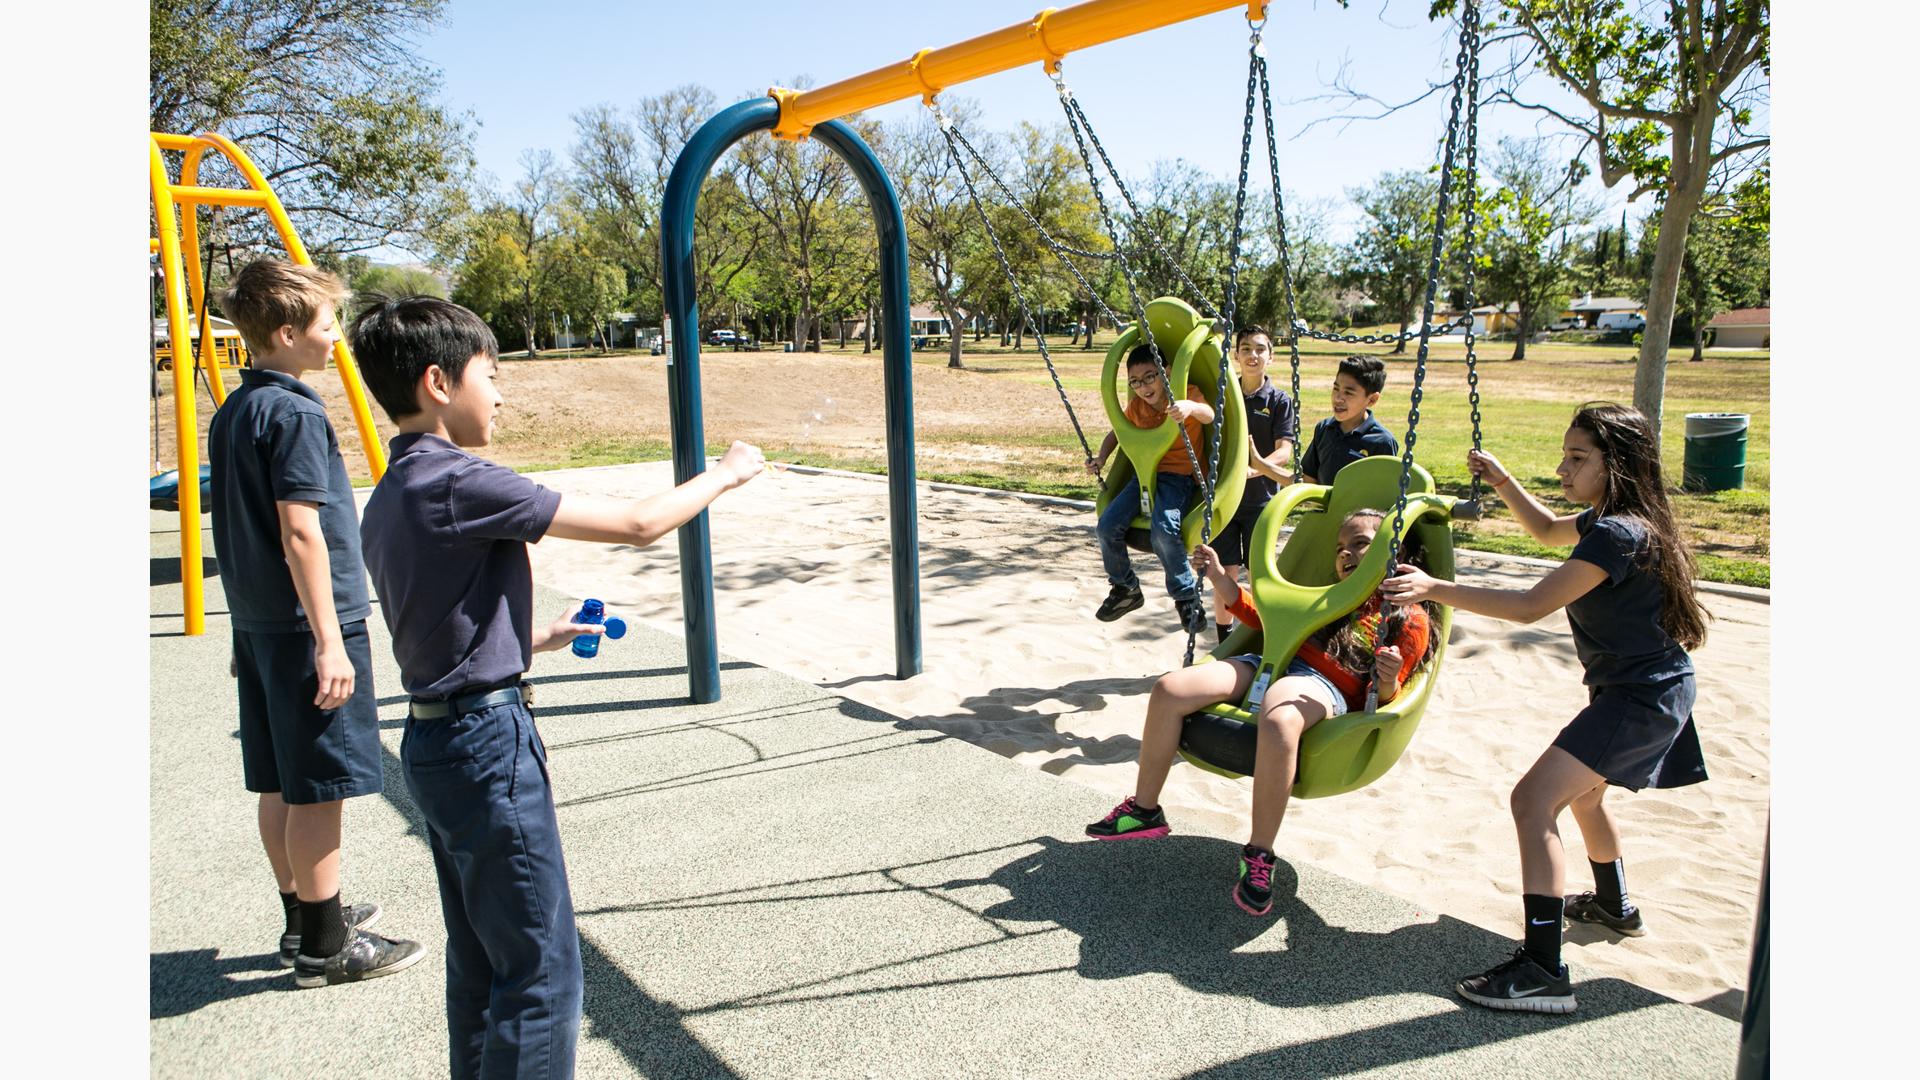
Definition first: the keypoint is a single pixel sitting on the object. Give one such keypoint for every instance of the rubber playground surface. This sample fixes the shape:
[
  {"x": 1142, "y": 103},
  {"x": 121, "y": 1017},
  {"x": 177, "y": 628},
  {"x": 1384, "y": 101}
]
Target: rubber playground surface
[{"x": 789, "y": 884}]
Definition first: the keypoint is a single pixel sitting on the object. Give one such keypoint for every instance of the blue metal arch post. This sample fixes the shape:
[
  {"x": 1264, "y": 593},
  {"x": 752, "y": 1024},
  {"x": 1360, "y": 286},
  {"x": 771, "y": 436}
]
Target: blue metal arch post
[{"x": 683, "y": 378}]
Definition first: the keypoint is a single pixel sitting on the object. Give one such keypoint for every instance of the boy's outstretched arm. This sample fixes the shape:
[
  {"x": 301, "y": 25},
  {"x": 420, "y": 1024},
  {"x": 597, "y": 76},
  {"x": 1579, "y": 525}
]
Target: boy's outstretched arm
[
  {"x": 306, "y": 550},
  {"x": 643, "y": 521}
]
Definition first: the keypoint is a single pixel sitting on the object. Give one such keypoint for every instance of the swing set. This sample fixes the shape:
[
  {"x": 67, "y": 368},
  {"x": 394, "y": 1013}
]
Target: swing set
[
  {"x": 186, "y": 282},
  {"x": 1291, "y": 586}
]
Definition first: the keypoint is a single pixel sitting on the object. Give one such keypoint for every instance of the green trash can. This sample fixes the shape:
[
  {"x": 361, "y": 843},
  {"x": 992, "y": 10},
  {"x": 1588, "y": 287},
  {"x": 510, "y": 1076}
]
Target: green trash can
[{"x": 1716, "y": 456}]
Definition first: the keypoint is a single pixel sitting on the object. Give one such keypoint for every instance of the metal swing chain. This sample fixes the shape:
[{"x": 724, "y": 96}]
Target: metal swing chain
[
  {"x": 1077, "y": 118},
  {"x": 1126, "y": 275},
  {"x": 1059, "y": 249},
  {"x": 1070, "y": 107},
  {"x": 1470, "y": 218},
  {"x": 1286, "y": 263},
  {"x": 205, "y": 315},
  {"x": 1006, "y": 267},
  {"x": 1469, "y": 48}
]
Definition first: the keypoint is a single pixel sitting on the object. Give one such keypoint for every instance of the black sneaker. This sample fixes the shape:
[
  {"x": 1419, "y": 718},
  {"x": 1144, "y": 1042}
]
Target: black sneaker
[
  {"x": 358, "y": 915},
  {"x": 1128, "y": 822},
  {"x": 1520, "y": 985},
  {"x": 1253, "y": 892},
  {"x": 1193, "y": 615},
  {"x": 1122, "y": 599},
  {"x": 1587, "y": 908},
  {"x": 367, "y": 956}
]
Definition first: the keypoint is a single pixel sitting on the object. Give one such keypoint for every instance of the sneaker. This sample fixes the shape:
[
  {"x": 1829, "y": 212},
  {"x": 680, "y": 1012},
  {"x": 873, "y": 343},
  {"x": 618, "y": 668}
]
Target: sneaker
[
  {"x": 367, "y": 956},
  {"x": 1520, "y": 985},
  {"x": 358, "y": 915},
  {"x": 1122, "y": 599},
  {"x": 1193, "y": 615},
  {"x": 1586, "y": 907},
  {"x": 1254, "y": 891},
  {"x": 1129, "y": 822}
]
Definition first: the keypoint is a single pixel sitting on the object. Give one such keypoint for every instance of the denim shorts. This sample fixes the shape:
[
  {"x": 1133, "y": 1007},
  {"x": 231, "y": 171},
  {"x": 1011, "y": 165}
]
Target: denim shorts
[{"x": 1300, "y": 667}]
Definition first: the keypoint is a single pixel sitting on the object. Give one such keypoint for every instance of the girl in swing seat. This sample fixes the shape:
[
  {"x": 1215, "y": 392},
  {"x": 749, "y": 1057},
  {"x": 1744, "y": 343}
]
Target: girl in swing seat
[
  {"x": 1628, "y": 591},
  {"x": 1328, "y": 677}
]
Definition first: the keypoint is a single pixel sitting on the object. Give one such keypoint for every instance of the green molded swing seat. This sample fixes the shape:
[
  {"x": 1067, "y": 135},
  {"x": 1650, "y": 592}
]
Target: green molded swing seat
[
  {"x": 1188, "y": 342},
  {"x": 1296, "y": 593}
]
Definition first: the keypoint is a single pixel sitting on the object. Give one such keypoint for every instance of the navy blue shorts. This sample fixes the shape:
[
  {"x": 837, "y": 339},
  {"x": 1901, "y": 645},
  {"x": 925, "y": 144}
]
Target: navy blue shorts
[
  {"x": 307, "y": 754},
  {"x": 1639, "y": 735},
  {"x": 1230, "y": 543}
]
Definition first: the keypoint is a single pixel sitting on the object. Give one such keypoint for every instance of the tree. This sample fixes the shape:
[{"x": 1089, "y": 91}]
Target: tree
[
  {"x": 511, "y": 249},
  {"x": 942, "y": 226},
  {"x": 1659, "y": 80},
  {"x": 1391, "y": 254},
  {"x": 820, "y": 243},
  {"x": 1726, "y": 265},
  {"x": 329, "y": 99},
  {"x": 1526, "y": 261},
  {"x": 622, "y": 161}
]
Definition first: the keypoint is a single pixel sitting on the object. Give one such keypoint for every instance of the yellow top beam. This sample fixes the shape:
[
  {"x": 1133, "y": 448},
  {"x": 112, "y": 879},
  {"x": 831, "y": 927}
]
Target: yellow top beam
[{"x": 1045, "y": 39}]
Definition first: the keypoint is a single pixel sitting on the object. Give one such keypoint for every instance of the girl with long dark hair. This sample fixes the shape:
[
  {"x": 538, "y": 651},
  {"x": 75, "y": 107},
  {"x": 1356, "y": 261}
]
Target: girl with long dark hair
[{"x": 1628, "y": 591}]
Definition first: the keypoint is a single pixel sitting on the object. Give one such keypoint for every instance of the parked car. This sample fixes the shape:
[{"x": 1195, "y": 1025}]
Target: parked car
[
  {"x": 1571, "y": 322},
  {"x": 721, "y": 337},
  {"x": 1630, "y": 321}
]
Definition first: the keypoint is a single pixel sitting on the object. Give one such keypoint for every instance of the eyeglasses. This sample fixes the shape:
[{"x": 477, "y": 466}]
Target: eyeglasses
[{"x": 1142, "y": 384}]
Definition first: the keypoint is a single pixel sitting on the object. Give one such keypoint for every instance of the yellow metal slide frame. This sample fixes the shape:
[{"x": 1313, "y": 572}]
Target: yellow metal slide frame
[{"x": 178, "y": 245}]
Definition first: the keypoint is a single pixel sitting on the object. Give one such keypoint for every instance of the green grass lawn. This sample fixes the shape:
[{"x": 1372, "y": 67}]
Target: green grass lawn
[{"x": 1524, "y": 406}]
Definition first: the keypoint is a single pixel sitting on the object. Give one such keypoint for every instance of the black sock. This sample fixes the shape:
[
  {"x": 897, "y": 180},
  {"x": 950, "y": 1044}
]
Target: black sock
[
  {"x": 324, "y": 927},
  {"x": 1543, "y": 930},
  {"x": 291, "y": 901},
  {"x": 1610, "y": 887},
  {"x": 1221, "y": 630}
]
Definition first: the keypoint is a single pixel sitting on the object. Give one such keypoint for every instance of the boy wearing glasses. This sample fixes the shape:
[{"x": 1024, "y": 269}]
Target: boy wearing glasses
[{"x": 1148, "y": 407}]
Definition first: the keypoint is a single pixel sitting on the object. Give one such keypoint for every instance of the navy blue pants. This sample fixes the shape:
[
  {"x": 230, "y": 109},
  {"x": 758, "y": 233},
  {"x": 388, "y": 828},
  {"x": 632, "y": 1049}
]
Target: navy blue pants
[{"x": 513, "y": 955}]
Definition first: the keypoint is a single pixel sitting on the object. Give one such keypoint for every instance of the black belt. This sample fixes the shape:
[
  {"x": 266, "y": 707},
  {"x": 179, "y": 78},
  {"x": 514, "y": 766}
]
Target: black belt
[{"x": 462, "y": 704}]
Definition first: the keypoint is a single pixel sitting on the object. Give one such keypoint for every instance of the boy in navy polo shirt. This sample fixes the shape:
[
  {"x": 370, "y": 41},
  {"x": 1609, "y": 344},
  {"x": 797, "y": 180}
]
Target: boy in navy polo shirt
[
  {"x": 446, "y": 537},
  {"x": 289, "y": 550},
  {"x": 1351, "y": 433},
  {"x": 1274, "y": 428}
]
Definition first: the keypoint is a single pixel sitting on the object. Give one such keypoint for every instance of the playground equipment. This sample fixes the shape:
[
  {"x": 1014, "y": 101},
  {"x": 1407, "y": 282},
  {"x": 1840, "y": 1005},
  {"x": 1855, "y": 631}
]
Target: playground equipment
[
  {"x": 1046, "y": 39},
  {"x": 178, "y": 244}
]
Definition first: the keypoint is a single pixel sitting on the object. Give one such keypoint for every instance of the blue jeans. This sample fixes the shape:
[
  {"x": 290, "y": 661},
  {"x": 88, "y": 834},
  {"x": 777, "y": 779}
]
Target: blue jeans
[
  {"x": 513, "y": 955},
  {"x": 1171, "y": 492}
]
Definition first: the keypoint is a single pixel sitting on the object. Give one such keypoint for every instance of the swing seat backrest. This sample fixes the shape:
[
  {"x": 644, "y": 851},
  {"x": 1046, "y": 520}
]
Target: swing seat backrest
[
  {"x": 1191, "y": 348},
  {"x": 1296, "y": 594}
]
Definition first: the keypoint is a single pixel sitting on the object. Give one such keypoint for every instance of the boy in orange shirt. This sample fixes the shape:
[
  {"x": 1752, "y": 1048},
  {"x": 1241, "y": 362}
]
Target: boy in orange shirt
[{"x": 1148, "y": 407}]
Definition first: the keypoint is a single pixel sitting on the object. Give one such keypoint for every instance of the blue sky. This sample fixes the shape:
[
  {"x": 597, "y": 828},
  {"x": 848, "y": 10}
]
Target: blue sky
[{"x": 523, "y": 70}]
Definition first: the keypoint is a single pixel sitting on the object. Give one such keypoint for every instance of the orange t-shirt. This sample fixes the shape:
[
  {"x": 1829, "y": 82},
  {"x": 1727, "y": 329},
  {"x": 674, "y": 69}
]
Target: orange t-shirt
[
  {"x": 1411, "y": 641},
  {"x": 1144, "y": 415}
]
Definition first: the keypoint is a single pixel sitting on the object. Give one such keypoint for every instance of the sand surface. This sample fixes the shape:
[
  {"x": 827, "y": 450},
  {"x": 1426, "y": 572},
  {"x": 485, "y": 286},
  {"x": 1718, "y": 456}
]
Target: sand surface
[{"x": 1015, "y": 662}]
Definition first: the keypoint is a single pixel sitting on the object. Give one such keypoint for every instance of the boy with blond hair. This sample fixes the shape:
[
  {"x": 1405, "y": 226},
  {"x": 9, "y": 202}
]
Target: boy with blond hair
[{"x": 288, "y": 543}]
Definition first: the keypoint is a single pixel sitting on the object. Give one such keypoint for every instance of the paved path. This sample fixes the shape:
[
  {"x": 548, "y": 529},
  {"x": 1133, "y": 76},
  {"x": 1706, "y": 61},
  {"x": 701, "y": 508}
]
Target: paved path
[{"x": 787, "y": 884}]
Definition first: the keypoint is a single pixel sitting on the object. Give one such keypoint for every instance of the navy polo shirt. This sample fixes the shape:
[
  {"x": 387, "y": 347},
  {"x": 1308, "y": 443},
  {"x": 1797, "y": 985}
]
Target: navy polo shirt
[
  {"x": 446, "y": 537},
  {"x": 1270, "y": 418},
  {"x": 1333, "y": 449},
  {"x": 1616, "y": 625},
  {"x": 271, "y": 442}
]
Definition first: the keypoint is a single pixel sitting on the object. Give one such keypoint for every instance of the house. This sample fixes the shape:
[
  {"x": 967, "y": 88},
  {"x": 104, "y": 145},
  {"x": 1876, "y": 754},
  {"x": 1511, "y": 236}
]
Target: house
[
  {"x": 1589, "y": 308},
  {"x": 226, "y": 342},
  {"x": 1487, "y": 319},
  {"x": 1743, "y": 328},
  {"x": 923, "y": 320}
]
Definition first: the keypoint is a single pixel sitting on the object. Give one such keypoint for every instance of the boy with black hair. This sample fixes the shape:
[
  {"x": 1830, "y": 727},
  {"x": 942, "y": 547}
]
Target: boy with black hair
[
  {"x": 1274, "y": 428},
  {"x": 1147, "y": 407},
  {"x": 446, "y": 537},
  {"x": 289, "y": 549},
  {"x": 1351, "y": 433}
]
